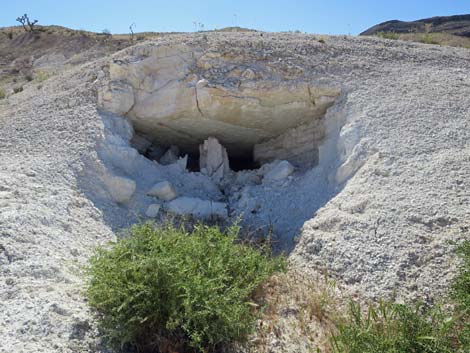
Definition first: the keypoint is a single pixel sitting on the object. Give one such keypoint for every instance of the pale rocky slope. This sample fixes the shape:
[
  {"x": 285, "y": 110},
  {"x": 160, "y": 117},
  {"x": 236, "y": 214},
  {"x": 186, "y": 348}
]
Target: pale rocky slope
[{"x": 380, "y": 185}]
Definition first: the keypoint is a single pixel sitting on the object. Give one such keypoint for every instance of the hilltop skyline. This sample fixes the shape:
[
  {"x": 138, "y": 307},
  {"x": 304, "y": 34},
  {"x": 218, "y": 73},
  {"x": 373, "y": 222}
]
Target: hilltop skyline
[{"x": 332, "y": 17}]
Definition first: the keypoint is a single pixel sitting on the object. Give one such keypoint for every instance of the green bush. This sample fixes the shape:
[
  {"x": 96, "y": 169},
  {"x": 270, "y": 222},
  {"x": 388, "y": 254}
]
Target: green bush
[
  {"x": 397, "y": 328},
  {"x": 2, "y": 93},
  {"x": 388, "y": 35},
  {"x": 162, "y": 285},
  {"x": 428, "y": 38}
]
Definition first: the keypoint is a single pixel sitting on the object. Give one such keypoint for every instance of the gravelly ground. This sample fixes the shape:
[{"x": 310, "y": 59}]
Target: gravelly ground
[{"x": 405, "y": 120}]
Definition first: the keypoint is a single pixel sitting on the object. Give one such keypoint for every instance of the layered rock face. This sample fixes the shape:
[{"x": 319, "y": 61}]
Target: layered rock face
[{"x": 180, "y": 95}]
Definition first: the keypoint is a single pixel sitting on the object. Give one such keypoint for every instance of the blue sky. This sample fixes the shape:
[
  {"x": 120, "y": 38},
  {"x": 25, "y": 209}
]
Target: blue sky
[{"x": 312, "y": 16}]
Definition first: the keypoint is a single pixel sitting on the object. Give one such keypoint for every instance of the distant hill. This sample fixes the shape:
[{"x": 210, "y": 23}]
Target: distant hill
[{"x": 458, "y": 25}]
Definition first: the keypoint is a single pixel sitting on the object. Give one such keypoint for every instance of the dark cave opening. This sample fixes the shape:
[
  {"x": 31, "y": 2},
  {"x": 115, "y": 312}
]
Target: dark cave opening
[{"x": 242, "y": 162}]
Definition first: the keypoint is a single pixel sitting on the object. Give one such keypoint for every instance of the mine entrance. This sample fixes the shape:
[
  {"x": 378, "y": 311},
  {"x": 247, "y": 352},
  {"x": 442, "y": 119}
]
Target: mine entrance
[
  {"x": 239, "y": 158},
  {"x": 244, "y": 162}
]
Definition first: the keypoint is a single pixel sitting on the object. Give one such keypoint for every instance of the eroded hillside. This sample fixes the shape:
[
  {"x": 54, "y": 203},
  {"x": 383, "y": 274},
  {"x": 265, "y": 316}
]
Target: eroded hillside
[{"x": 353, "y": 152}]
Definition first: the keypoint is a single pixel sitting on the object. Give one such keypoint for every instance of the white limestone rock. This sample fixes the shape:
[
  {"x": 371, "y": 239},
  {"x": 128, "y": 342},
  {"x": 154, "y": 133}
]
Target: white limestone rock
[
  {"x": 192, "y": 206},
  {"x": 152, "y": 210},
  {"x": 118, "y": 98},
  {"x": 163, "y": 190},
  {"x": 120, "y": 188},
  {"x": 279, "y": 171},
  {"x": 175, "y": 101},
  {"x": 213, "y": 159},
  {"x": 182, "y": 162}
]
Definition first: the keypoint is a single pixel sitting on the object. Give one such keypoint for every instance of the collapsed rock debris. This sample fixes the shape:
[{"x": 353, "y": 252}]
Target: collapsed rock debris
[{"x": 245, "y": 140}]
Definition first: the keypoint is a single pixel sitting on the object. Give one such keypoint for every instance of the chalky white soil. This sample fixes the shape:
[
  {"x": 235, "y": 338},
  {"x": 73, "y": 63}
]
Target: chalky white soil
[{"x": 379, "y": 212}]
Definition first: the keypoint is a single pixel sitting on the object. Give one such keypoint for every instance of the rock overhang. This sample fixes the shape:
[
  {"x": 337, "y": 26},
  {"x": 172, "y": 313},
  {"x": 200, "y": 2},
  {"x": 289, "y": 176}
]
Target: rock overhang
[{"x": 181, "y": 95}]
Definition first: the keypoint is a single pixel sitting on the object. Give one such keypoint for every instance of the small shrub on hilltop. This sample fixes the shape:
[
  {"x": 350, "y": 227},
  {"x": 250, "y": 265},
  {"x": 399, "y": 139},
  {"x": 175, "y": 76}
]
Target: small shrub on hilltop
[
  {"x": 165, "y": 289},
  {"x": 428, "y": 38},
  {"x": 388, "y": 35}
]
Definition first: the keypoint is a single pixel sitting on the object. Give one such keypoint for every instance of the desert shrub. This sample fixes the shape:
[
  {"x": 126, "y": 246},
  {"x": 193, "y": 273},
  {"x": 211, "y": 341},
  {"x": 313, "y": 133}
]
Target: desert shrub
[
  {"x": 29, "y": 77},
  {"x": 2, "y": 93},
  {"x": 428, "y": 38},
  {"x": 18, "y": 89},
  {"x": 163, "y": 288},
  {"x": 388, "y": 35},
  {"x": 41, "y": 76}
]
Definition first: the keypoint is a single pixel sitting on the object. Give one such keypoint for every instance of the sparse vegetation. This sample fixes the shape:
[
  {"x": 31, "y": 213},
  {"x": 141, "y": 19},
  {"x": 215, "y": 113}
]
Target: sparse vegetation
[
  {"x": 395, "y": 328},
  {"x": 131, "y": 29},
  {"x": 164, "y": 288},
  {"x": 41, "y": 76},
  {"x": 428, "y": 38},
  {"x": 2, "y": 93},
  {"x": 18, "y": 89},
  {"x": 26, "y": 23},
  {"x": 460, "y": 293},
  {"x": 388, "y": 35},
  {"x": 390, "y": 328},
  {"x": 297, "y": 307}
]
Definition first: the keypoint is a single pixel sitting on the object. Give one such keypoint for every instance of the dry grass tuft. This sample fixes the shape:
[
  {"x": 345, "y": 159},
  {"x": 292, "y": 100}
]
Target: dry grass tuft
[{"x": 298, "y": 311}]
